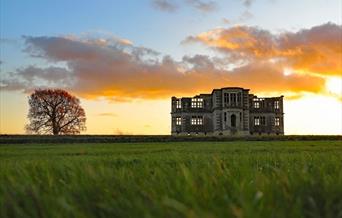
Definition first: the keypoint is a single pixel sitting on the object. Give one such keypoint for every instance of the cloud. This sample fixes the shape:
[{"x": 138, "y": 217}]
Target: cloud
[
  {"x": 172, "y": 6},
  {"x": 122, "y": 72},
  {"x": 165, "y": 5},
  {"x": 246, "y": 15},
  {"x": 204, "y": 6},
  {"x": 239, "y": 42},
  {"x": 247, "y": 3},
  {"x": 31, "y": 77},
  {"x": 226, "y": 21},
  {"x": 267, "y": 77},
  {"x": 316, "y": 50}
]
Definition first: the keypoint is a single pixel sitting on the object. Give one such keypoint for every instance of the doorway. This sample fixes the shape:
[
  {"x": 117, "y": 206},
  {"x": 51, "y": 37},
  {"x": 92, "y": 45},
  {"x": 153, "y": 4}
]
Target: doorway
[{"x": 233, "y": 120}]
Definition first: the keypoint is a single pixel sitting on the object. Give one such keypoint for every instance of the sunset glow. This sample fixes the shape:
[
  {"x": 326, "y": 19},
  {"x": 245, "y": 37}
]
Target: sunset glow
[{"x": 126, "y": 66}]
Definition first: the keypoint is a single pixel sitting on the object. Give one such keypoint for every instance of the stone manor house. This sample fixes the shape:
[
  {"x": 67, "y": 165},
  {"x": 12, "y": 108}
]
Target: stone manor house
[{"x": 227, "y": 111}]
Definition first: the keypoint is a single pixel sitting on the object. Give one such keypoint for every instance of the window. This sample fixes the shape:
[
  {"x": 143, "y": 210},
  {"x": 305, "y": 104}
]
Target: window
[
  {"x": 179, "y": 103},
  {"x": 200, "y": 121},
  {"x": 218, "y": 120},
  {"x": 276, "y": 105},
  {"x": 262, "y": 121},
  {"x": 233, "y": 121},
  {"x": 218, "y": 99},
  {"x": 197, "y": 103},
  {"x": 196, "y": 120},
  {"x": 256, "y": 104},
  {"x": 226, "y": 98},
  {"x": 234, "y": 98},
  {"x": 178, "y": 121},
  {"x": 225, "y": 116},
  {"x": 277, "y": 121},
  {"x": 259, "y": 121},
  {"x": 256, "y": 121}
]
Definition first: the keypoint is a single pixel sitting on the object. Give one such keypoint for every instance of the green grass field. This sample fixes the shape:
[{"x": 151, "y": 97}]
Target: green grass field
[{"x": 175, "y": 179}]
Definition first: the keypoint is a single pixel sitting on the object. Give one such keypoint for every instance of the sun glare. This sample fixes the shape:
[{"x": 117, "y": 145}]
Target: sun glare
[
  {"x": 334, "y": 85},
  {"x": 287, "y": 71}
]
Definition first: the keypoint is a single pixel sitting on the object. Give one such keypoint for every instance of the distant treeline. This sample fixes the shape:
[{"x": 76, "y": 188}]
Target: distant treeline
[{"x": 22, "y": 139}]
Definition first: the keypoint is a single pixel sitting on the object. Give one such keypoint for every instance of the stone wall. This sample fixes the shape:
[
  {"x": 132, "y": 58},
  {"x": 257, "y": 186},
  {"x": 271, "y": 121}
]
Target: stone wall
[{"x": 227, "y": 111}]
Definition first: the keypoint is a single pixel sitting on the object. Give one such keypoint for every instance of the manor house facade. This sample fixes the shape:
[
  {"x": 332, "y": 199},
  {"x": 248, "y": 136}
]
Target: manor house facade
[{"x": 227, "y": 111}]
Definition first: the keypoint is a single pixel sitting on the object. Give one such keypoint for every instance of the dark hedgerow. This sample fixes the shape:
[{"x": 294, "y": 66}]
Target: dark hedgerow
[{"x": 22, "y": 139}]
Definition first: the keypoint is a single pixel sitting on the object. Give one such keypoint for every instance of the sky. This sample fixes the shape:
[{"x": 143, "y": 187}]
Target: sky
[{"x": 126, "y": 59}]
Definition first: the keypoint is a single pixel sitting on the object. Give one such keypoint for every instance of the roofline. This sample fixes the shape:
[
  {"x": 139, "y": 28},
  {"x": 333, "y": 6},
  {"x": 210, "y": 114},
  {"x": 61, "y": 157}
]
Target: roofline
[
  {"x": 255, "y": 96},
  {"x": 233, "y": 87}
]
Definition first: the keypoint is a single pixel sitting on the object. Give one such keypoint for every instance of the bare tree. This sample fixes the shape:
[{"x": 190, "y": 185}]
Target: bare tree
[{"x": 55, "y": 111}]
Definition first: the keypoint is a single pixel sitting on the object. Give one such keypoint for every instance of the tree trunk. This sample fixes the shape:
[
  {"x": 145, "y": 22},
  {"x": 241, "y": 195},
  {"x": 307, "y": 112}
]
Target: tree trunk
[
  {"x": 55, "y": 131},
  {"x": 54, "y": 122}
]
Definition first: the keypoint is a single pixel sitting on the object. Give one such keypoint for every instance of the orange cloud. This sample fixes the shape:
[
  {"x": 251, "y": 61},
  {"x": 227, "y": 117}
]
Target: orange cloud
[
  {"x": 120, "y": 71},
  {"x": 317, "y": 50}
]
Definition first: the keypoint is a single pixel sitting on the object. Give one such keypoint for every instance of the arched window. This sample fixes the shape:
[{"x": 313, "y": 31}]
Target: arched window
[{"x": 233, "y": 120}]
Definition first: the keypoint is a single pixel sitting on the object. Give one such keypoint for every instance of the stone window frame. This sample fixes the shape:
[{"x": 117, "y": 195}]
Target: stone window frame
[
  {"x": 256, "y": 121},
  {"x": 178, "y": 121},
  {"x": 256, "y": 104},
  {"x": 260, "y": 121},
  {"x": 277, "y": 121},
  {"x": 197, "y": 103},
  {"x": 276, "y": 104},
  {"x": 179, "y": 103},
  {"x": 196, "y": 120},
  {"x": 226, "y": 98}
]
